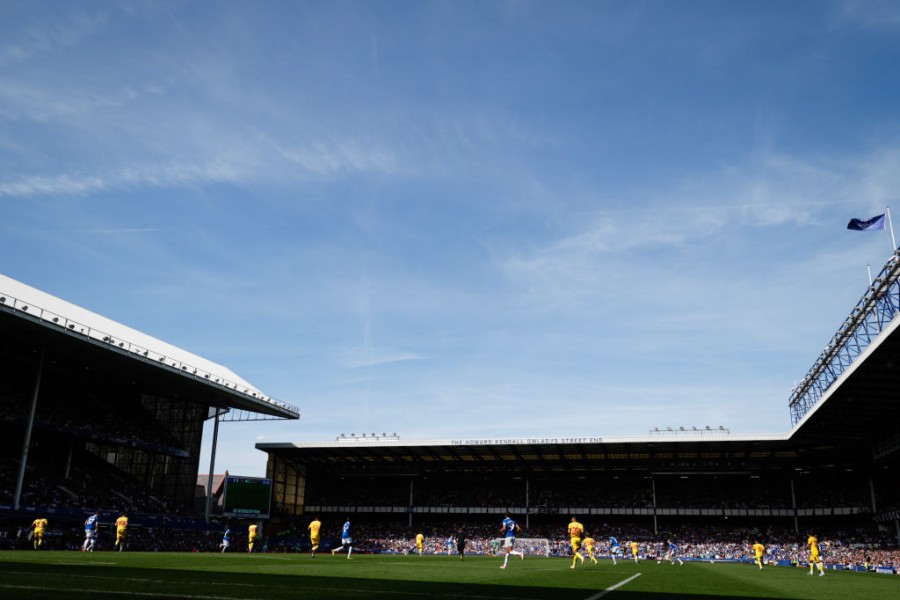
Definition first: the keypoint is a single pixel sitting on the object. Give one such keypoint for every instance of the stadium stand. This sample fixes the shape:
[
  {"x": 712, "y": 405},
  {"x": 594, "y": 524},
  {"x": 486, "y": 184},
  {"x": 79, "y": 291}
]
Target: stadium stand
[{"x": 97, "y": 416}]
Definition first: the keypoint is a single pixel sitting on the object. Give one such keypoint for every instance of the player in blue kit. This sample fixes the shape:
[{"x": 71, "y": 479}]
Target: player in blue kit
[
  {"x": 614, "y": 548},
  {"x": 226, "y": 540},
  {"x": 346, "y": 540},
  {"x": 91, "y": 528},
  {"x": 672, "y": 554},
  {"x": 509, "y": 529}
]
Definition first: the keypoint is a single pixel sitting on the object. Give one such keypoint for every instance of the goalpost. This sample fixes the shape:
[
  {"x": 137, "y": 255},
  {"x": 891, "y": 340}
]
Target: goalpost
[{"x": 530, "y": 546}]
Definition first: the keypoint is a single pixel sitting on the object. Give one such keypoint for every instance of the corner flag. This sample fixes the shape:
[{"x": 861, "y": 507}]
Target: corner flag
[{"x": 873, "y": 224}]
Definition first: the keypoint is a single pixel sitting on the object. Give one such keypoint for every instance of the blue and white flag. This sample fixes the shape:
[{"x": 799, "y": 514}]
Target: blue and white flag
[{"x": 873, "y": 224}]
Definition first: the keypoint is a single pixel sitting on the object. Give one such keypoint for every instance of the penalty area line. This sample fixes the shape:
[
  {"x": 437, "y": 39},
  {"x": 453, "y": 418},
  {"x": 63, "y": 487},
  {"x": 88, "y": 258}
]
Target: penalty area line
[{"x": 613, "y": 587}]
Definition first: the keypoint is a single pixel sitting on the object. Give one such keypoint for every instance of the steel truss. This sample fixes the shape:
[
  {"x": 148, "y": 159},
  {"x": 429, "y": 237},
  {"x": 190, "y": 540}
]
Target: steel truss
[{"x": 870, "y": 317}]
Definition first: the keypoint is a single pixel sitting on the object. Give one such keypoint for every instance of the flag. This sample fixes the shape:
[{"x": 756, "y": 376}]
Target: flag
[{"x": 873, "y": 224}]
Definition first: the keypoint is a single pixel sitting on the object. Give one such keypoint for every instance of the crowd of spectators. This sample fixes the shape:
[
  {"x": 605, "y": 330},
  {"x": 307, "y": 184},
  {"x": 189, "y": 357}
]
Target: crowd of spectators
[
  {"x": 129, "y": 425},
  {"x": 36, "y": 489},
  {"x": 91, "y": 485},
  {"x": 854, "y": 548}
]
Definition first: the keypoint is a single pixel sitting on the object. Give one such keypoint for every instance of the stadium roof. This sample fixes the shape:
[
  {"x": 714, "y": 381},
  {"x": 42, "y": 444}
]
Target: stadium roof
[
  {"x": 670, "y": 453},
  {"x": 28, "y": 311},
  {"x": 665, "y": 453}
]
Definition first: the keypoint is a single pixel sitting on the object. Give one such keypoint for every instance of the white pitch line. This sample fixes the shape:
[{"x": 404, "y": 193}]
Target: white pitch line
[{"x": 613, "y": 587}]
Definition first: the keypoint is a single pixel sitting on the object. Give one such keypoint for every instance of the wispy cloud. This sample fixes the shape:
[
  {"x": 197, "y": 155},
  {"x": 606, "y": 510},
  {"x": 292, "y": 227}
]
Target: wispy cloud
[
  {"x": 775, "y": 190},
  {"x": 61, "y": 102},
  {"x": 157, "y": 176},
  {"x": 110, "y": 231},
  {"x": 876, "y": 14},
  {"x": 56, "y": 35},
  {"x": 375, "y": 357},
  {"x": 58, "y": 185},
  {"x": 331, "y": 157}
]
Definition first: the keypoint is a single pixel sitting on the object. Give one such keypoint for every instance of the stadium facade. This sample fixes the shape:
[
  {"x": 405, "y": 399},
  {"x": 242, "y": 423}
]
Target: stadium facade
[{"x": 838, "y": 464}]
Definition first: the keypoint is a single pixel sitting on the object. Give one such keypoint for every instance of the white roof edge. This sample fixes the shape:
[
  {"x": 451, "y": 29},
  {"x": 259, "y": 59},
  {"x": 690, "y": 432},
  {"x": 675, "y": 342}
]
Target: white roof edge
[
  {"x": 732, "y": 437},
  {"x": 40, "y": 302}
]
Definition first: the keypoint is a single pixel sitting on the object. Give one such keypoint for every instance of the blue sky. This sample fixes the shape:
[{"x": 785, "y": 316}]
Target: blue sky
[{"x": 459, "y": 219}]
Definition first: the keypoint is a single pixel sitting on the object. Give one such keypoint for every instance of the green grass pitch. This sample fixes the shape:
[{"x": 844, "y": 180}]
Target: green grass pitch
[{"x": 98, "y": 575}]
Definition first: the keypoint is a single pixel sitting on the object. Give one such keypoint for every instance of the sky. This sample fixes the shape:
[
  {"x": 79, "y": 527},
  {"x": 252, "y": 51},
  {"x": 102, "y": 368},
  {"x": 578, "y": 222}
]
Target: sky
[{"x": 462, "y": 219}]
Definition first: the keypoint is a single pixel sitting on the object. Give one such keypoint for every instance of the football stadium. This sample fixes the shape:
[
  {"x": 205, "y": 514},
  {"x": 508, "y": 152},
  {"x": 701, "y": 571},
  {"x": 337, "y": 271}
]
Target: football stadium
[{"x": 101, "y": 419}]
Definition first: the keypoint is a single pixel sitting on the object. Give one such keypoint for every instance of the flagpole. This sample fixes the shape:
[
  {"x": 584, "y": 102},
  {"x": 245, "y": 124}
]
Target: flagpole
[{"x": 891, "y": 225}]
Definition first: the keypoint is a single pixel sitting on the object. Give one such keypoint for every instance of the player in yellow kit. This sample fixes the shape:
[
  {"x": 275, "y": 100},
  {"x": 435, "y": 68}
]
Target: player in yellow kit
[
  {"x": 634, "y": 552},
  {"x": 575, "y": 530},
  {"x": 252, "y": 536},
  {"x": 39, "y": 525},
  {"x": 314, "y": 526},
  {"x": 420, "y": 543},
  {"x": 121, "y": 531},
  {"x": 588, "y": 544},
  {"x": 814, "y": 558},
  {"x": 759, "y": 550}
]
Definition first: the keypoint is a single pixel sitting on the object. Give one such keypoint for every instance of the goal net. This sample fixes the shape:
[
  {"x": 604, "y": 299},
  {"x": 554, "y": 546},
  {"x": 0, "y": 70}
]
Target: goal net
[{"x": 530, "y": 546}]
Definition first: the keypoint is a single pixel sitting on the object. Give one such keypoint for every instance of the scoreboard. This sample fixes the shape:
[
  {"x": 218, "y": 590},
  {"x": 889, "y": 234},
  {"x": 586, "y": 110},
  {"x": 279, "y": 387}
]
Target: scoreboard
[{"x": 247, "y": 497}]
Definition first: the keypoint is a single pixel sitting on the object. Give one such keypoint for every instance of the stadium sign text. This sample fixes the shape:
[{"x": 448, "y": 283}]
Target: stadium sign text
[{"x": 573, "y": 440}]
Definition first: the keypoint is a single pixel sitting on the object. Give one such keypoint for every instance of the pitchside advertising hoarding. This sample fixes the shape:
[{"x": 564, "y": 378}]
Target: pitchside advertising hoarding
[{"x": 247, "y": 497}]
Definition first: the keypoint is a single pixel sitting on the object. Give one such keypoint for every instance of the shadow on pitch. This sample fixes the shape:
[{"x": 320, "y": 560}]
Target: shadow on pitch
[{"x": 96, "y": 581}]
